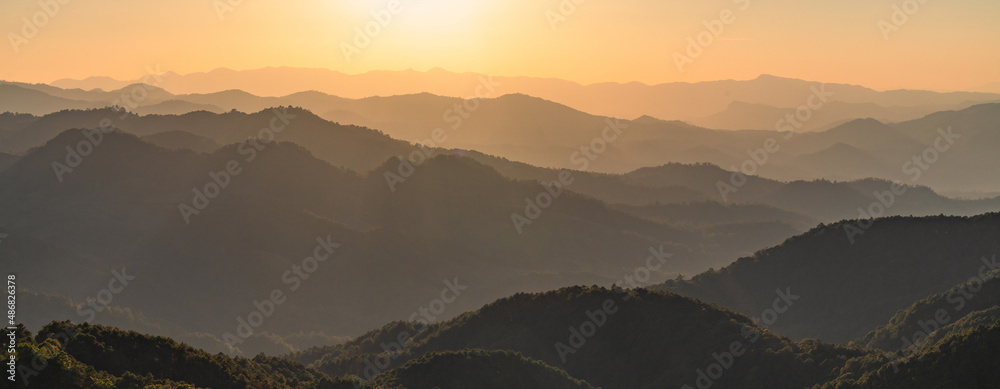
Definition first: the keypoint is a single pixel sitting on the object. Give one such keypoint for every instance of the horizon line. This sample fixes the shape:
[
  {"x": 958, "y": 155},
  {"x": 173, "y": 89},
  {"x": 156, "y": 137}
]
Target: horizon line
[{"x": 441, "y": 69}]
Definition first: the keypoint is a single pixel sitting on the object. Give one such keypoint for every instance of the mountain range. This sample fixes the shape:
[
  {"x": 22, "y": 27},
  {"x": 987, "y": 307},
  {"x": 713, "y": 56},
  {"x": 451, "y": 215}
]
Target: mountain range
[
  {"x": 519, "y": 239},
  {"x": 691, "y": 102},
  {"x": 938, "y": 150},
  {"x": 452, "y": 220},
  {"x": 580, "y": 337}
]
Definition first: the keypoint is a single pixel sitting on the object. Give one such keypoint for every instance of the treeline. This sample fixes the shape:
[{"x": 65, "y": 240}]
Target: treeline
[{"x": 66, "y": 355}]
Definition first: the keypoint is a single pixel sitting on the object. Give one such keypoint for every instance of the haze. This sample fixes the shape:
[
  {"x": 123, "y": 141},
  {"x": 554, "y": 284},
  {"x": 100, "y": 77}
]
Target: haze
[
  {"x": 500, "y": 194},
  {"x": 942, "y": 46}
]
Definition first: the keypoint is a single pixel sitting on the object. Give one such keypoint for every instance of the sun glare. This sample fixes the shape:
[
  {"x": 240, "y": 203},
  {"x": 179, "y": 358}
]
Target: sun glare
[
  {"x": 443, "y": 15},
  {"x": 431, "y": 12}
]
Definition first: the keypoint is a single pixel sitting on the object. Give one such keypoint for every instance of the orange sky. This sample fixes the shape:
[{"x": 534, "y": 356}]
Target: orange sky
[{"x": 941, "y": 46}]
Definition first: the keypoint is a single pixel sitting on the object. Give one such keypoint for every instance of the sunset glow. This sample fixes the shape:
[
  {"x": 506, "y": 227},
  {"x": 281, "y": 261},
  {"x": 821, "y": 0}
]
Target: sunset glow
[
  {"x": 500, "y": 194},
  {"x": 941, "y": 45}
]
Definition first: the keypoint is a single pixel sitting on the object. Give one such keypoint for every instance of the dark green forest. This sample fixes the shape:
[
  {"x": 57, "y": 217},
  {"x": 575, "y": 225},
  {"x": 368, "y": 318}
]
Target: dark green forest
[{"x": 642, "y": 339}]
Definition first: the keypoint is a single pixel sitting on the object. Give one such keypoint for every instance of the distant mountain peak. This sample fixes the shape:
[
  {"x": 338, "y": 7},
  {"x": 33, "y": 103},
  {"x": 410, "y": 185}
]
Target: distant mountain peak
[
  {"x": 147, "y": 87},
  {"x": 647, "y": 119},
  {"x": 223, "y": 70},
  {"x": 867, "y": 122},
  {"x": 765, "y": 76}
]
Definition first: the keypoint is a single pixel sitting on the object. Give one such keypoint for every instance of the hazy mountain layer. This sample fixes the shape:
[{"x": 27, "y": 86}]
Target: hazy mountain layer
[
  {"x": 681, "y": 101},
  {"x": 611, "y": 339},
  {"x": 131, "y": 209},
  {"x": 858, "y": 269},
  {"x": 940, "y": 150},
  {"x": 945, "y": 312}
]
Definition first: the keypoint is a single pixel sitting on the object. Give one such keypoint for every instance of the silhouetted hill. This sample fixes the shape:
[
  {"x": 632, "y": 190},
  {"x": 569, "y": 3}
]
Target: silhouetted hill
[
  {"x": 518, "y": 127},
  {"x": 713, "y": 213},
  {"x": 923, "y": 317},
  {"x": 44, "y": 307},
  {"x": 350, "y": 146},
  {"x": 825, "y": 199},
  {"x": 738, "y": 230},
  {"x": 963, "y": 360},
  {"x": 549, "y": 134},
  {"x": 822, "y": 199},
  {"x": 844, "y": 162},
  {"x": 743, "y": 116},
  {"x": 16, "y": 98},
  {"x": 868, "y": 135},
  {"x": 362, "y": 149},
  {"x": 704, "y": 178},
  {"x": 9, "y": 120},
  {"x": 890, "y": 265},
  {"x": 175, "y": 107},
  {"x": 6, "y": 160},
  {"x": 178, "y": 140},
  {"x": 86, "y": 356},
  {"x": 610, "y": 188},
  {"x": 235, "y": 99},
  {"x": 639, "y": 339},
  {"x": 477, "y": 369},
  {"x": 451, "y": 220},
  {"x": 680, "y": 100},
  {"x": 92, "y": 82}
]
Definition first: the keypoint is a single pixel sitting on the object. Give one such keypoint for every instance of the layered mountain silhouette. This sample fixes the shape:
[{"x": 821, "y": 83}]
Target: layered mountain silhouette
[
  {"x": 66, "y": 355},
  {"x": 577, "y": 337},
  {"x": 588, "y": 332},
  {"x": 681, "y": 101},
  {"x": 936, "y": 317},
  {"x": 853, "y": 275},
  {"x": 120, "y": 208},
  {"x": 741, "y": 115},
  {"x": 962, "y": 360},
  {"x": 544, "y": 133},
  {"x": 456, "y": 230},
  {"x": 360, "y": 149},
  {"x": 181, "y": 140},
  {"x": 477, "y": 369}
]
